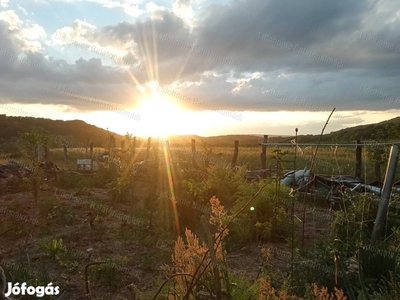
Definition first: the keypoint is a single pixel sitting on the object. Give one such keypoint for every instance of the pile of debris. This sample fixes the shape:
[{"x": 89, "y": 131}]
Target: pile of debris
[
  {"x": 303, "y": 181},
  {"x": 12, "y": 172}
]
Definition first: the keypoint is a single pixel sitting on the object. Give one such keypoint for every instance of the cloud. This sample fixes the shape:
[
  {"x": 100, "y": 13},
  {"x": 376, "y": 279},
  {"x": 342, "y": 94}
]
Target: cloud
[
  {"x": 4, "y": 3},
  {"x": 130, "y": 7},
  {"x": 239, "y": 55}
]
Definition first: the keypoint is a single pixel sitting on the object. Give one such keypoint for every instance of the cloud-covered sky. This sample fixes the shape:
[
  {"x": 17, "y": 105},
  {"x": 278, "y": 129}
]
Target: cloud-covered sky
[{"x": 259, "y": 66}]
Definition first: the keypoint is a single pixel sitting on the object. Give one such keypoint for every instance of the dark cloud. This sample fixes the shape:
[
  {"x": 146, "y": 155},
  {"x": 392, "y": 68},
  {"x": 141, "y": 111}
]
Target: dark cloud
[{"x": 318, "y": 52}]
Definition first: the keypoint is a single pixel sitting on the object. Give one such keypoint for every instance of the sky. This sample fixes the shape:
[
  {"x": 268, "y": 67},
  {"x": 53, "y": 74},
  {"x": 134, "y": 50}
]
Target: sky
[{"x": 200, "y": 66}]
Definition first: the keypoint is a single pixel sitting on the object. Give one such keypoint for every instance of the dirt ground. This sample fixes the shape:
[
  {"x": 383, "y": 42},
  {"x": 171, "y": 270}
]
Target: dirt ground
[{"x": 90, "y": 235}]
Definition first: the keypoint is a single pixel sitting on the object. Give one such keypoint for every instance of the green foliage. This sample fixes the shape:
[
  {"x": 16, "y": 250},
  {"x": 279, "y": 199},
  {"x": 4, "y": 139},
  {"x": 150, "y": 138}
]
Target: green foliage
[
  {"x": 269, "y": 215},
  {"x": 110, "y": 273},
  {"x": 149, "y": 260},
  {"x": 63, "y": 215},
  {"x": 353, "y": 224},
  {"x": 77, "y": 181},
  {"x": 47, "y": 205},
  {"x": 52, "y": 210},
  {"x": 23, "y": 272},
  {"x": 53, "y": 248},
  {"x": 31, "y": 144},
  {"x": 389, "y": 290},
  {"x": 315, "y": 266},
  {"x": 223, "y": 183},
  {"x": 30, "y": 141},
  {"x": 242, "y": 288}
]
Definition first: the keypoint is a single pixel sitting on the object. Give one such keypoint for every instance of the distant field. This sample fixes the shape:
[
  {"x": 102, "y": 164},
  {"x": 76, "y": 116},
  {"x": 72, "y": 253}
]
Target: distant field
[{"x": 327, "y": 162}]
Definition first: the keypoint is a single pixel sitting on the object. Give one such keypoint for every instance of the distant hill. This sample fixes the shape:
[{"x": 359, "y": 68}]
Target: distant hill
[
  {"x": 78, "y": 132},
  {"x": 388, "y": 130}
]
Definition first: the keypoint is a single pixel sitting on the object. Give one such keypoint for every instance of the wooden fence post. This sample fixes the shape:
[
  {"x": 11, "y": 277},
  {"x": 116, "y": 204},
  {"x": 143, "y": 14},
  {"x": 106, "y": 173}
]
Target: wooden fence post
[
  {"x": 235, "y": 153},
  {"x": 65, "y": 152},
  {"x": 264, "y": 153},
  {"x": 91, "y": 156},
  {"x": 358, "y": 159},
  {"x": 193, "y": 152},
  {"x": 148, "y": 147},
  {"x": 122, "y": 145}
]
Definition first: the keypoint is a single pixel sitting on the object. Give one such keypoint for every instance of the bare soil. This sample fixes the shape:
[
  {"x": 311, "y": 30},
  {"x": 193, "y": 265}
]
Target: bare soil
[{"x": 90, "y": 236}]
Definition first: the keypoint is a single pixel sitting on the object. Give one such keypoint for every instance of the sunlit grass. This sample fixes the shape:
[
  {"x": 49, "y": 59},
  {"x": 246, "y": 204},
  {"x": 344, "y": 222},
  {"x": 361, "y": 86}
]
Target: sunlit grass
[{"x": 341, "y": 162}]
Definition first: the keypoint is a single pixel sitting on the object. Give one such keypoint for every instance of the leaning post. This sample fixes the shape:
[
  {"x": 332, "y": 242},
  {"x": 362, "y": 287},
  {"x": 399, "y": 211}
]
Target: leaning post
[{"x": 380, "y": 220}]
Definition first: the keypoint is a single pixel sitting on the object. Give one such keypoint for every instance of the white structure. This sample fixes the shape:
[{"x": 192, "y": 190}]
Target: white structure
[
  {"x": 300, "y": 176},
  {"x": 86, "y": 164}
]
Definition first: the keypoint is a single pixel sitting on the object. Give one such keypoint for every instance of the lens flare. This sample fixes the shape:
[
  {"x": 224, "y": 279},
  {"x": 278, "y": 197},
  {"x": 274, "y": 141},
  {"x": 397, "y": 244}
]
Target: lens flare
[{"x": 171, "y": 185}]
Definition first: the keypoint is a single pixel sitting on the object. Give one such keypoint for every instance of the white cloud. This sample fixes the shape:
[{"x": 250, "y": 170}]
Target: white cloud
[
  {"x": 4, "y": 3},
  {"x": 33, "y": 32},
  {"x": 132, "y": 10},
  {"x": 79, "y": 32},
  {"x": 28, "y": 34},
  {"x": 10, "y": 17},
  {"x": 85, "y": 36},
  {"x": 130, "y": 7},
  {"x": 152, "y": 7},
  {"x": 22, "y": 9},
  {"x": 184, "y": 10}
]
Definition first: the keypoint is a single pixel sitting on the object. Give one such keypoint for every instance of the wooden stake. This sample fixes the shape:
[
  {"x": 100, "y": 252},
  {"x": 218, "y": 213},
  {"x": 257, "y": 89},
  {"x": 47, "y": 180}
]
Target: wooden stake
[
  {"x": 235, "y": 153},
  {"x": 264, "y": 153},
  {"x": 358, "y": 159},
  {"x": 91, "y": 156},
  {"x": 193, "y": 152},
  {"x": 148, "y": 147},
  {"x": 134, "y": 144}
]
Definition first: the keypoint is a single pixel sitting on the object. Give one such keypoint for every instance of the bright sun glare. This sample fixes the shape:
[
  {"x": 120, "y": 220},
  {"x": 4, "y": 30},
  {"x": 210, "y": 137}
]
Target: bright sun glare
[{"x": 159, "y": 116}]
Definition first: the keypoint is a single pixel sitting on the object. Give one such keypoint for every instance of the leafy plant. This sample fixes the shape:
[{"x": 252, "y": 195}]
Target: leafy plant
[
  {"x": 53, "y": 248},
  {"x": 33, "y": 144},
  {"x": 110, "y": 272}
]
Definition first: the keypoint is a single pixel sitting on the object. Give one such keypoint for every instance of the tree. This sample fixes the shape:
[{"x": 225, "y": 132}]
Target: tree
[{"x": 34, "y": 146}]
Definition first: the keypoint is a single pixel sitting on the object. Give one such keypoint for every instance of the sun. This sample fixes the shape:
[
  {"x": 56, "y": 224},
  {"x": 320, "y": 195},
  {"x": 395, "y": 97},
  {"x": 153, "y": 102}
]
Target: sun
[{"x": 160, "y": 116}]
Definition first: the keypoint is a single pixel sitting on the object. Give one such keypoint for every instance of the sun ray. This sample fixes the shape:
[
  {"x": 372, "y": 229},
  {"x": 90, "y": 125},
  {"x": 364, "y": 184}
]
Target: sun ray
[
  {"x": 178, "y": 75},
  {"x": 171, "y": 186},
  {"x": 155, "y": 56},
  {"x": 163, "y": 105},
  {"x": 138, "y": 84}
]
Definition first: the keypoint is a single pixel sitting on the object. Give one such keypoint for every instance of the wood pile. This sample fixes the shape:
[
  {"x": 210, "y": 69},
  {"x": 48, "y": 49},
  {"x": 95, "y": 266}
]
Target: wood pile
[{"x": 13, "y": 172}]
